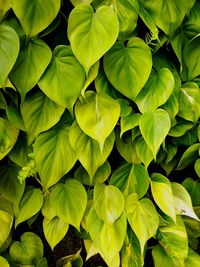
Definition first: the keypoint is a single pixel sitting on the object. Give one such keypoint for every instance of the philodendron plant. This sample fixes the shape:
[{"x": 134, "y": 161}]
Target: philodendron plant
[{"x": 99, "y": 130}]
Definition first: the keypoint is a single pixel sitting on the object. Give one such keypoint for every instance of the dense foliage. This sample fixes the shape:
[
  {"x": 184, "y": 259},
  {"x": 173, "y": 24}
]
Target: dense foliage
[{"x": 99, "y": 130}]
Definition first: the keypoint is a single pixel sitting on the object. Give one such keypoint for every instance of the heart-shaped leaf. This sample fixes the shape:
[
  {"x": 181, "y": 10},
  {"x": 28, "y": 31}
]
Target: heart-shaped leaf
[
  {"x": 64, "y": 78},
  {"x": 30, "y": 65},
  {"x": 131, "y": 178},
  {"x": 30, "y": 204},
  {"x": 108, "y": 238},
  {"x": 128, "y": 67},
  {"x": 69, "y": 201},
  {"x": 108, "y": 202},
  {"x": 10, "y": 186},
  {"x": 154, "y": 127},
  {"x": 9, "y": 50},
  {"x": 39, "y": 113},
  {"x": 28, "y": 251},
  {"x": 53, "y": 155},
  {"x": 143, "y": 218},
  {"x": 88, "y": 150},
  {"x": 54, "y": 230},
  {"x": 40, "y": 14},
  {"x": 89, "y": 33},
  {"x": 162, "y": 194},
  {"x": 97, "y": 115},
  {"x": 156, "y": 91}
]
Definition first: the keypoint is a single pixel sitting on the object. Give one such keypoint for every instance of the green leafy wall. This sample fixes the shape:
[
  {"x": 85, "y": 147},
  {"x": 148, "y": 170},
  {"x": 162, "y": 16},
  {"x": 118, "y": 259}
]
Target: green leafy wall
[{"x": 99, "y": 130}]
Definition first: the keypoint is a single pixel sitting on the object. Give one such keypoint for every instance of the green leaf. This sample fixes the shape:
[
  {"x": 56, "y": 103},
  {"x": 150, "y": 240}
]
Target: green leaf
[
  {"x": 69, "y": 201},
  {"x": 30, "y": 204},
  {"x": 162, "y": 194},
  {"x": 27, "y": 251},
  {"x": 144, "y": 213},
  {"x": 131, "y": 252},
  {"x": 156, "y": 91},
  {"x": 103, "y": 85},
  {"x": 31, "y": 63},
  {"x": 189, "y": 156},
  {"x": 10, "y": 186},
  {"x": 144, "y": 152},
  {"x": 191, "y": 58},
  {"x": 189, "y": 103},
  {"x": 88, "y": 150},
  {"x": 193, "y": 259},
  {"x": 14, "y": 116},
  {"x": 145, "y": 16},
  {"x": 173, "y": 238},
  {"x": 127, "y": 17},
  {"x": 54, "y": 230},
  {"x": 21, "y": 152},
  {"x": 154, "y": 127},
  {"x": 8, "y": 137},
  {"x": 93, "y": 72},
  {"x": 5, "y": 6},
  {"x": 6, "y": 221},
  {"x": 4, "y": 262},
  {"x": 108, "y": 238},
  {"x": 182, "y": 201},
  {"x": 97, "y": 115},
  {"x": 51, "y": 149},
  {"x": 8, "y": 51},
  {"x": 126, "y": 148},
  {"x": 89, "y": 33},
  {"x": 128, "y": 67},
  {"x": 78, "y": 2},
  {"x": 125, "y": 107},
  {"x": 197, "y": 167},
  {"x": 90, "y": 248},
  {"x": 193, "y": 188},
  {"x": 160, "y": 258},
  {"x": 39, "y": 113},
  {"x": 168, "y": 14},
  {"x": 180, "y": 128},
  {"x": 131, "y": 178},
  {"x": 64, "y": 78},
  {"x": 100, "y": 176},
  {"x": 74, "y": 260},
  {"x": 129, "y": 122},
  {"x": 108, "y": 202},
  {"x": 39, "y": 14},
  {"x": 3, "y": 104},
  {"x": 47, "y": 210}
]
